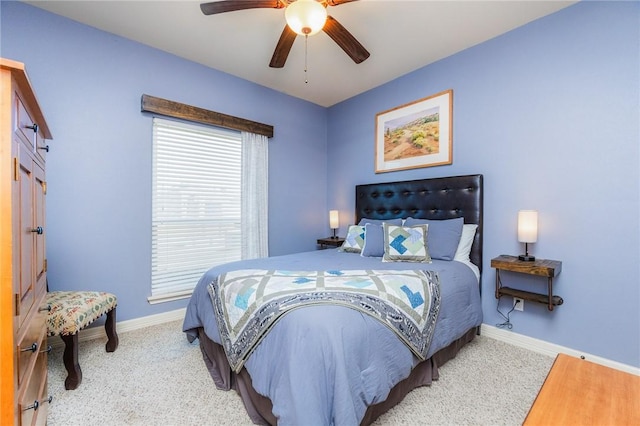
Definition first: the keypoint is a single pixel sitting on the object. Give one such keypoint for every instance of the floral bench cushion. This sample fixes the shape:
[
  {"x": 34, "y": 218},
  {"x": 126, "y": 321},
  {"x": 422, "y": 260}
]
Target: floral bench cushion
[{"x": 71, "y": 311}]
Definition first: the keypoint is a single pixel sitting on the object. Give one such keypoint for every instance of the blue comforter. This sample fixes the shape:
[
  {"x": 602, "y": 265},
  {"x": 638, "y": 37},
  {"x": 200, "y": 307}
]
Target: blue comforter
[{"x": 324, "y": 365}]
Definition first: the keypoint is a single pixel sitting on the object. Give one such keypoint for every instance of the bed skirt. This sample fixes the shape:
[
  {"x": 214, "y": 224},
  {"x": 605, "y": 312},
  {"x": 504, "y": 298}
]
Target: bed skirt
[{"x": 259, "y": 407}]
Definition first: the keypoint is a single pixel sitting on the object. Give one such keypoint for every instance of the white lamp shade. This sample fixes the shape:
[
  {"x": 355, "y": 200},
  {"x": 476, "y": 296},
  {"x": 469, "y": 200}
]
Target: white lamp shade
[
  {"x": 334, "y": 221},
  {"x": 527, "y": 226},
  {"x": 305, "y": 17}
]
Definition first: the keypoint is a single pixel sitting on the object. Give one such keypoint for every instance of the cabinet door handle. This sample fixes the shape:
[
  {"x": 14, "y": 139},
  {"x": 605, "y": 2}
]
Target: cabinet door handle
[
  {"x": 46, "y": 147},
  {"x": 47, "y": 308},
  {"x": 32, "y": 348},
  {"x": 33, "y": 406},
  {"x": 36, "y": 404},
  {"x": 33, "y": 127},
  {"x": 38, "y": 230},
  {"x": 46, "y": 350}
]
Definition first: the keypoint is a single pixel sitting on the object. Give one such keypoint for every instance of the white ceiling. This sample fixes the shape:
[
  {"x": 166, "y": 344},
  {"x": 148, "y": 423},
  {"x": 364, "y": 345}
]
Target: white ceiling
[{"x": 401, "y": 36}]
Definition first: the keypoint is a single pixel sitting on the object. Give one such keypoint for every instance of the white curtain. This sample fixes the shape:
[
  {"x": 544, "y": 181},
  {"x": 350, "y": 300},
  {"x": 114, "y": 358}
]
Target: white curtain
[{"x": 255, "y": 189}]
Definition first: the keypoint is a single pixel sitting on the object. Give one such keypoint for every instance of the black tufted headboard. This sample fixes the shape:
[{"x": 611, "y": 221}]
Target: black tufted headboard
[{"x": 437, "y": 198}]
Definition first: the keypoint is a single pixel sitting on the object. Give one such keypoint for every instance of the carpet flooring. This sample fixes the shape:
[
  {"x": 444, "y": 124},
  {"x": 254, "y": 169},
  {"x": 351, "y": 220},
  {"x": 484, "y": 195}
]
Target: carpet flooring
[{"x": 156, "y": 377}]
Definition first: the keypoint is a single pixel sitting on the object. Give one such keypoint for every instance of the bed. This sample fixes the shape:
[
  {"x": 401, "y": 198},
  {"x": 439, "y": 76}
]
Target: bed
[{"x": 330, "y": 364}]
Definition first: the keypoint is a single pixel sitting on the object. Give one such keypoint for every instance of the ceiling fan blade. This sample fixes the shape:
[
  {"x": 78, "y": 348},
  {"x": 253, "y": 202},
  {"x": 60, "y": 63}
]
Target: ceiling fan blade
[
  {"x": 214, "y": 7},
  {"x": 338, "y": 2},
  {"x": 345, "y": 40},
  {"x": 283, "y": 47}
]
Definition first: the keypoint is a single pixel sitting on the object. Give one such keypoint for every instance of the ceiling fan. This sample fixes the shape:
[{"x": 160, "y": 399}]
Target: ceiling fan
[{"x": 300, "y": 16}]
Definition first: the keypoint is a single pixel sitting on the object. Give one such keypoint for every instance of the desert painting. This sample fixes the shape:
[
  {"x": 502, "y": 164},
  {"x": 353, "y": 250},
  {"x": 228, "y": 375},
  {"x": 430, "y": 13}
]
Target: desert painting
[
  {"x": 417, "y": 134},
  {"x": 413, "y": 135}
]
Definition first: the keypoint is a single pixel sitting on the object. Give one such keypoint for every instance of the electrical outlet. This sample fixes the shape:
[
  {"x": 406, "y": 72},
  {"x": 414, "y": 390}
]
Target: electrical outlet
[{"x": 518, "y": 304}]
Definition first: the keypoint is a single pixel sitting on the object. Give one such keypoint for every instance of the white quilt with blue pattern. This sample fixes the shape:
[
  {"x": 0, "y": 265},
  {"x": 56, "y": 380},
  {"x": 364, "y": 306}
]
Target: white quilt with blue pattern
[{"x": 248, "y": 302}]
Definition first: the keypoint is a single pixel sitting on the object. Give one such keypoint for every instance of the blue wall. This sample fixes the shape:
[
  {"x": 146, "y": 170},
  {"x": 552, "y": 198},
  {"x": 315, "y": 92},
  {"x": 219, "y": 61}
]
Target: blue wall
[
  {"x": 547, "y": 112},
  {"x": 89, "y": 84}
]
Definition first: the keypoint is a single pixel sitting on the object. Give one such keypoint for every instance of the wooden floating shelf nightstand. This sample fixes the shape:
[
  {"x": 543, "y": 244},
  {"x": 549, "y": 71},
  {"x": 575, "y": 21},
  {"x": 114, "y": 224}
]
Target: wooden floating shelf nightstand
[
  {"x": 330, "y": 242},
  {"x": 540, "y": 267}
]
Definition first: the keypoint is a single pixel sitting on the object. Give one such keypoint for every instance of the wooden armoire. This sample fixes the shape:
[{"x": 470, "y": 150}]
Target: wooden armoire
[{"x": 23, "y": 265}]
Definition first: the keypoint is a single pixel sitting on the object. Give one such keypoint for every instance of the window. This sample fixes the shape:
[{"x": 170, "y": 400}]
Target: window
[{"x": 196, "y": 204}]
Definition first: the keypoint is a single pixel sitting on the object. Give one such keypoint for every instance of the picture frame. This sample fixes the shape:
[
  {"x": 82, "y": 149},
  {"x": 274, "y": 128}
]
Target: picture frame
[{"x": 414, "y": 135}]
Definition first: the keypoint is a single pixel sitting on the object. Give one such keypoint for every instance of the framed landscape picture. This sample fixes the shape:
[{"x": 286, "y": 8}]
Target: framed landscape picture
[{"x": 418, "y": 134}]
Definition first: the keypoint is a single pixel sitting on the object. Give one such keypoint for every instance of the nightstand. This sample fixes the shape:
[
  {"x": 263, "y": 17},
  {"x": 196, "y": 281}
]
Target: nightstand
[
  {"x": 540, "y": 267},
  {"x": 330, "y": 242}
]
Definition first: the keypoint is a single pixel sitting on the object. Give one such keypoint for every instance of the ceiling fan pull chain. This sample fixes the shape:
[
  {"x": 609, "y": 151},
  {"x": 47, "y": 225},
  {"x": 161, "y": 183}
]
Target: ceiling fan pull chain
[{"x": 306, "y": 37}]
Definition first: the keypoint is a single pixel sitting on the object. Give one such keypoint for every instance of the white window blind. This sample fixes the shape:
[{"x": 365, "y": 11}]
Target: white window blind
[{"x": 196, "y": 204}]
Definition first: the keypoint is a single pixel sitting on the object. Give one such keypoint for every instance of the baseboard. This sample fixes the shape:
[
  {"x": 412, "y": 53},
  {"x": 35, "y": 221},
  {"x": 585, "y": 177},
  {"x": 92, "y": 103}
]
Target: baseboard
[
  {"x": 124, "y": 326},
  {"x": 520, "y": 340},
  {"x": 550, "y": 349}
]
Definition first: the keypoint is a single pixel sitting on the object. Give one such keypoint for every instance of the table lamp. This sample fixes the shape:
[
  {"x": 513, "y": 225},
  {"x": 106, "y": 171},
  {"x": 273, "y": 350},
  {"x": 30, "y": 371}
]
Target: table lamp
[
  {"x": 527, "y": 232},
  {"x": 334, "y": 221}
]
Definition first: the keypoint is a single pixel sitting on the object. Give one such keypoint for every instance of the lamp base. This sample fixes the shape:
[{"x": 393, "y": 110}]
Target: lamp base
[
  {"x": 334, "y": 237},
  {"x": 526, "y": 258}
]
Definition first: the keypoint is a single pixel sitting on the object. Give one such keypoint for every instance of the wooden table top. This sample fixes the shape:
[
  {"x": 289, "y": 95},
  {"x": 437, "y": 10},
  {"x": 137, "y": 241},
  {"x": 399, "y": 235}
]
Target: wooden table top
[{"x": 580, "y": 392}]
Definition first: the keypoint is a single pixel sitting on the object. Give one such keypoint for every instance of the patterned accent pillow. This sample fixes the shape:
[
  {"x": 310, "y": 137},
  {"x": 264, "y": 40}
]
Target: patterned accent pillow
[
  {"x": 354, "y": 241},
  {"x": 406, "y": 244}
]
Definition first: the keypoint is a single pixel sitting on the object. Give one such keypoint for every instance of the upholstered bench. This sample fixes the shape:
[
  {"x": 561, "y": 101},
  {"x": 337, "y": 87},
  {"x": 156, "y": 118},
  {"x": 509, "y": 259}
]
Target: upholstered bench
[{"x": 70, "y": 312}]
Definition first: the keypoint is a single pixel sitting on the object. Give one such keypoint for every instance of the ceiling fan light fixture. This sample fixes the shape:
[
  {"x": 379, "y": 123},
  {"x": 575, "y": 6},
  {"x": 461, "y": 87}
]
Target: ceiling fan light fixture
[{"x": 305, "y": 17}]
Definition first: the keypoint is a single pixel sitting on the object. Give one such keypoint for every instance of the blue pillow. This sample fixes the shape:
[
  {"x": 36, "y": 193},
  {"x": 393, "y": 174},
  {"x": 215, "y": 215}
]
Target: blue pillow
[
  {"x": 443, "y": 238},
  {"x": 397, "y": 222},
  {"x": 373, "y": 240}
]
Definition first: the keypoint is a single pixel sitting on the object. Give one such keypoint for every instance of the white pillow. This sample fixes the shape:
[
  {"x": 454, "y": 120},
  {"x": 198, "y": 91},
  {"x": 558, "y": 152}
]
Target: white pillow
[{"x": 466, "y": 241}]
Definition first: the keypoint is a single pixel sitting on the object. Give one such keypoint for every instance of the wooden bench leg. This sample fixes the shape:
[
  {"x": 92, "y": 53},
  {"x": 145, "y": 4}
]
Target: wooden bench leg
[
  {"x": 70, "y": 359},
  {"x": 110, "y": 329}
]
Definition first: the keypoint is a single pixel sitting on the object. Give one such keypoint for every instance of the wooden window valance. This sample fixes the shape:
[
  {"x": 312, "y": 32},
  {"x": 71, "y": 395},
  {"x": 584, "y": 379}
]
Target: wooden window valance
[{"x": 200, "y": 115}]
